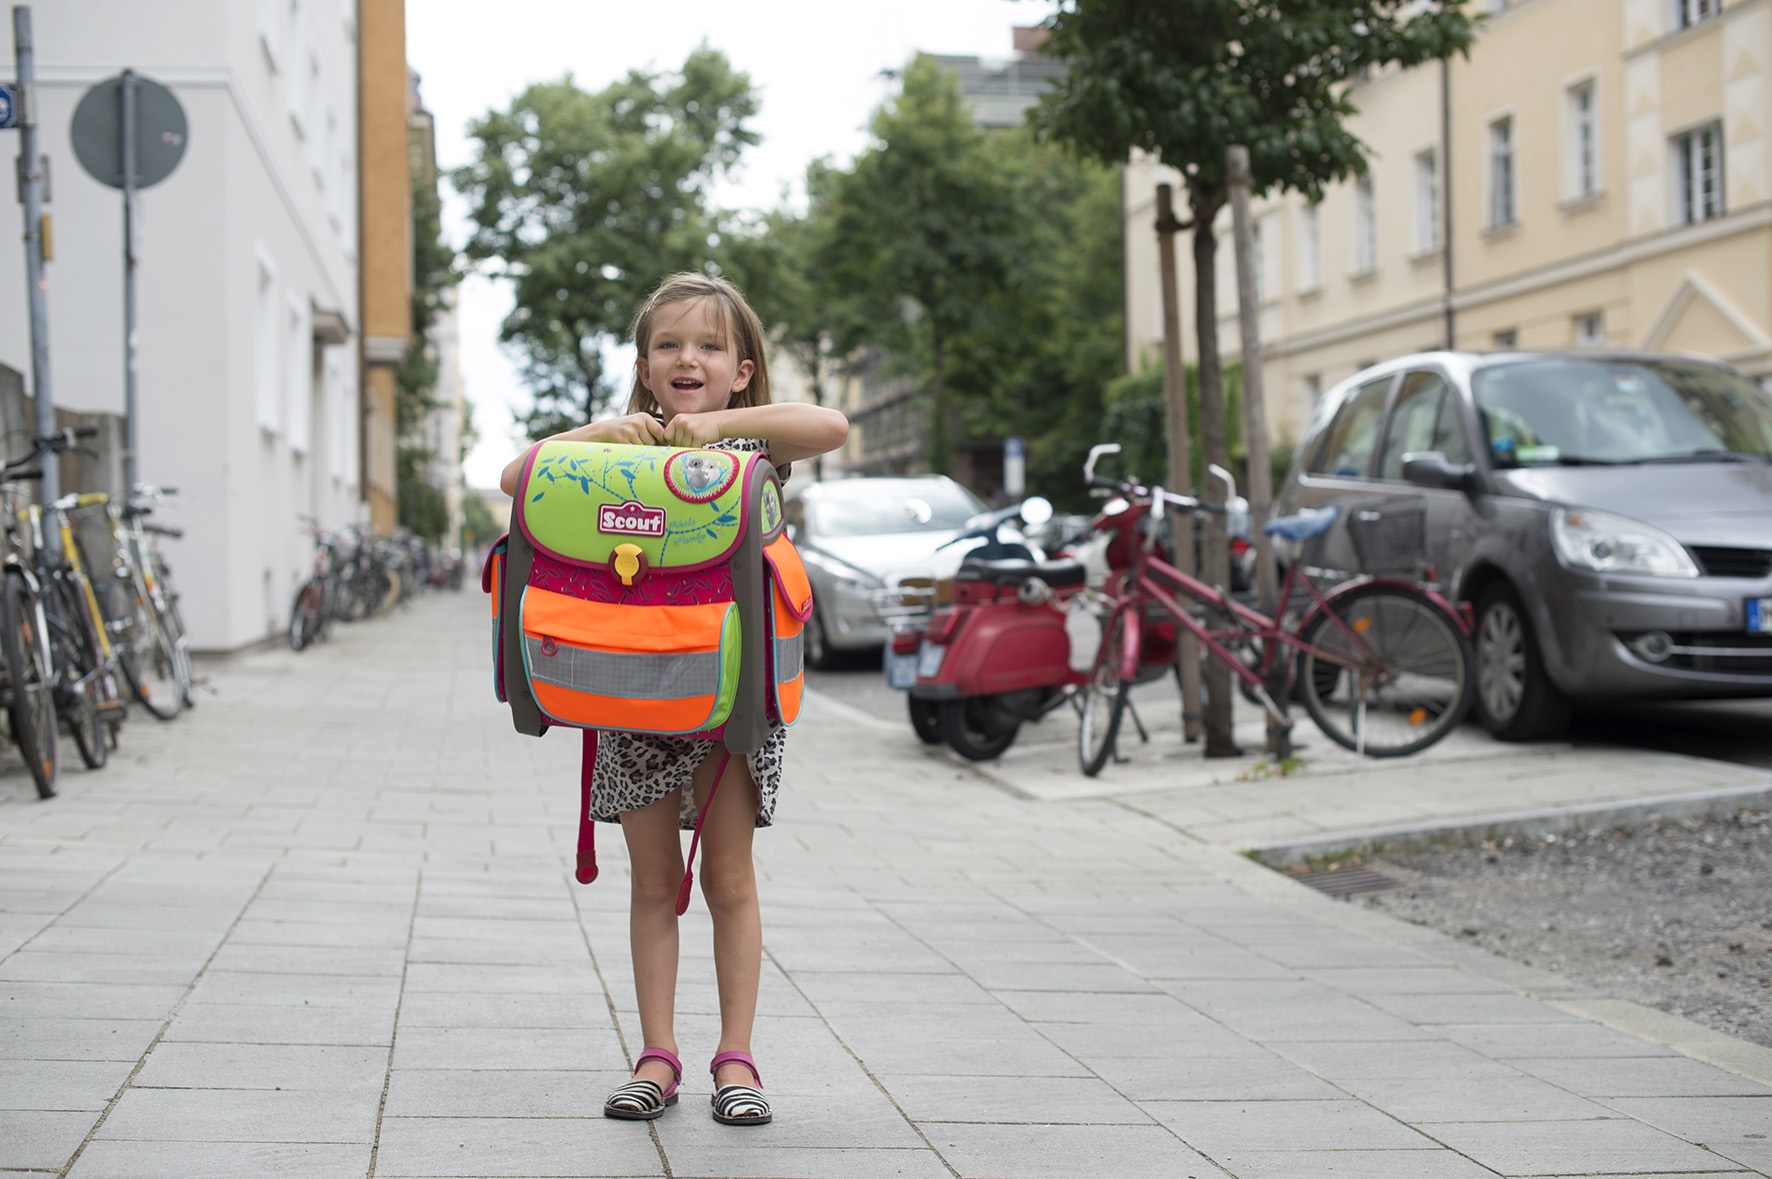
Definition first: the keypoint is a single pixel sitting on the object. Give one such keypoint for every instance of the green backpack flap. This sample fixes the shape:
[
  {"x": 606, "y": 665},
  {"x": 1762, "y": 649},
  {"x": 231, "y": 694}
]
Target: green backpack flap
[{"x": 681, "y": 509}]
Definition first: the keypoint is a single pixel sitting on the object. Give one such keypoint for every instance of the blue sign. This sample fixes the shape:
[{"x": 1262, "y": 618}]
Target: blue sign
[{"x": 8, "y": 106}]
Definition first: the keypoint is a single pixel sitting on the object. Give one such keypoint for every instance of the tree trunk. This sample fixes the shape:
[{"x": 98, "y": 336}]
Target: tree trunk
[
  {"x": 1214, "y": 555},
  {"x": 940, "y": 447},
  {"x": 1181, "y": 463}
]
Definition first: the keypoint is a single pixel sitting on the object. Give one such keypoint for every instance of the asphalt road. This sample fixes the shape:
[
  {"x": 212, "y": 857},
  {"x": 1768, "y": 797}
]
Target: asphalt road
[{"x": 1737, "y": 731}]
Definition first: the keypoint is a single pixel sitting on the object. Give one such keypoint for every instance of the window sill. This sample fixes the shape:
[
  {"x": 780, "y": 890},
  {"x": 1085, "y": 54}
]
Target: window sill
[
  {"x": 1497, "y": 233},
  {"x": 1360, "y": 278},
  {"x": 1426, "y": 256},
  {"x": 1310, "y": 294},
  {"x": 1585, "y": 203}
]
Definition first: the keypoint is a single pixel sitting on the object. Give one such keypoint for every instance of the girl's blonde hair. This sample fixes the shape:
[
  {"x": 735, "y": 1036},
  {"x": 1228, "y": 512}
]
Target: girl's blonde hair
[{"x": 739, "y": 326}]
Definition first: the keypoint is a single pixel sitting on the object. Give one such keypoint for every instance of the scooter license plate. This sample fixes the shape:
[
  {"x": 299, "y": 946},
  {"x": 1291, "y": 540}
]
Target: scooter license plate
[
  {"x": 901, "y": 670},
  {"x": 929, "y": 660}
]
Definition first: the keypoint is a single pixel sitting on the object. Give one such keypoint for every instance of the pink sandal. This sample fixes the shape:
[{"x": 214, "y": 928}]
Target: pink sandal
[
  {"x": 641, "y": 1100},
  {"x": 740, "y": 1105}
]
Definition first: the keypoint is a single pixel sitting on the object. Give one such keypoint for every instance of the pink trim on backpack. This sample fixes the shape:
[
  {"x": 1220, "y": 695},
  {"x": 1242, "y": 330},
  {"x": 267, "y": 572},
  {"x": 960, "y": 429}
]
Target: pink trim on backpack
[{"x": 486, "y": 566}]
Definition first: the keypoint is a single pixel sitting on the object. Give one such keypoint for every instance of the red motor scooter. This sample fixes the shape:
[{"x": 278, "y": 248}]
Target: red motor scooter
[
  {"x": 1015, "y": 643},
  {"x": 998, "y": 653}
]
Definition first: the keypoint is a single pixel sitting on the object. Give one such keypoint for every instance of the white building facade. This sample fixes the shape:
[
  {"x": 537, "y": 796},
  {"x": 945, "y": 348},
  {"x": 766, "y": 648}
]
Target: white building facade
[{"x": 247, "y": 282}]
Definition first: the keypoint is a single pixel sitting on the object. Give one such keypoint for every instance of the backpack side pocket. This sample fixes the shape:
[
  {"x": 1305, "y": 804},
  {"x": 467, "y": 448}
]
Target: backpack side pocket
[
  {"x": 492, "y": 581},
  {"x": 790, "y": 605}
]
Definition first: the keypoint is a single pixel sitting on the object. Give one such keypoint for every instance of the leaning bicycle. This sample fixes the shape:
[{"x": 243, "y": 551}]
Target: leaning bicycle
[{"x": 1383, "y": 665}]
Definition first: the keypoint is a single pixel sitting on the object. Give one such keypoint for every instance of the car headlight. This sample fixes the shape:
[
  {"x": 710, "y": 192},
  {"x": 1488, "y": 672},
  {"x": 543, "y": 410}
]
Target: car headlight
[
  {"x": 1605, "y": 543},
  {"x": 847, "y": 579}
]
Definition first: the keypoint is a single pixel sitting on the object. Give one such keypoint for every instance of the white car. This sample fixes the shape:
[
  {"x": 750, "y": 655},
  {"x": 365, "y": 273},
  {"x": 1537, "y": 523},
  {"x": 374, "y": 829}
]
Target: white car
[{"x": 873, "y": 549}]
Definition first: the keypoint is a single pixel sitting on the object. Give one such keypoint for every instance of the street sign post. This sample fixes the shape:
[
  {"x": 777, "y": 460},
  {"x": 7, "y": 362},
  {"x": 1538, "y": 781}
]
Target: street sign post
[{"x": 129, "y": 132}]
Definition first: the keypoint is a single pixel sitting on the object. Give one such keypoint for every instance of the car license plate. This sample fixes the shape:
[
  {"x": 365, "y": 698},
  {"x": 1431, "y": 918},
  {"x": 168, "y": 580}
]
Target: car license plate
[
  {"x": 1759, "y": 616},
  {"x": 929, "y": 660},
  {"x": 901, "y": 670}
]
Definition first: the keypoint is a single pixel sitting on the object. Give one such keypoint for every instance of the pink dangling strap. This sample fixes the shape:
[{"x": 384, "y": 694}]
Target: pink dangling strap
[
  {"x": 695, "y": 839},
  {"x": 586, "y": 871}
]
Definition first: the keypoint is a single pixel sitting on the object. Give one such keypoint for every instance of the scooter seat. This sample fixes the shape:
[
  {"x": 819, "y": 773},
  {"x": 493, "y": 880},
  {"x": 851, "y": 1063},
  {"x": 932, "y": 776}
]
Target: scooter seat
[{"x": 1056, "y": 574}]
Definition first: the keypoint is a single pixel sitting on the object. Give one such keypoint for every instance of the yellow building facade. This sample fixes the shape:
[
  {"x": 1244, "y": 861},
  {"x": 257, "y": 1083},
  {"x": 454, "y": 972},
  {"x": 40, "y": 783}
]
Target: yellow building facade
[
  {"x": 386, "y": 255},
  {"x": 1608, "y": 168}
]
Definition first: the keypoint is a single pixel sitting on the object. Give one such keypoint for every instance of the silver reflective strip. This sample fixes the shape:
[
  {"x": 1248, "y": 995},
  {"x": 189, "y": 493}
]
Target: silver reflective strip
[
  {"x": 788, "y": 656},
  {"x": 624, "y": 675}
]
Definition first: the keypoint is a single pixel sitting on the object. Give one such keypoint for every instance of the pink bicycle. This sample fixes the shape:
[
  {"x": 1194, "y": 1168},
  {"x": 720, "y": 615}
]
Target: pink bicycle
[{"x": 1383, "y": 665}]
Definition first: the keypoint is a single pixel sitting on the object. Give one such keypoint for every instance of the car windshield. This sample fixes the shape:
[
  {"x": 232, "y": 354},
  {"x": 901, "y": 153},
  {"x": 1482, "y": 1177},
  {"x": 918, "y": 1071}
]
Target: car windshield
[
  {"x": 1575, "y": 412},
  {"x": 869, "y": 507}
]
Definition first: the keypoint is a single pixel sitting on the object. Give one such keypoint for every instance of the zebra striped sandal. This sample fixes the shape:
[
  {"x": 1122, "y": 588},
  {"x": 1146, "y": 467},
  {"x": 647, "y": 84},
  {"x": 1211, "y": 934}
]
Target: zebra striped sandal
[
  {"x": 739, "y": 1105},
  {"x": 641, "y": 1100}
]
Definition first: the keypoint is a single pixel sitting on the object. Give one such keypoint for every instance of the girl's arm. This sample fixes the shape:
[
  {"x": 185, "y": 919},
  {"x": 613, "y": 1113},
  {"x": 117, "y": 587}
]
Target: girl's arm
[
  {"x": 636, "y": 429},
  {"x": 793, "y": 429}
]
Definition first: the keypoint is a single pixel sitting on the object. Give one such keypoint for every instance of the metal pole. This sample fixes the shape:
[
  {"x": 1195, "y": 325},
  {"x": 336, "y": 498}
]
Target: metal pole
[
  {"x": 30, "y": 174},
  {"x": 1446, "y": 199},
  {"x": 1181, "y": 525},
  {"x": 1260, "y": 475},
  {"x": 128, "y": 138}
]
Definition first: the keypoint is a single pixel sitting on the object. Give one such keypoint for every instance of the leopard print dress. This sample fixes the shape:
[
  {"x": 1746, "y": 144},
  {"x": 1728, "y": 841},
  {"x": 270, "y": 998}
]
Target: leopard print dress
[{"x": 637, "y": 769}]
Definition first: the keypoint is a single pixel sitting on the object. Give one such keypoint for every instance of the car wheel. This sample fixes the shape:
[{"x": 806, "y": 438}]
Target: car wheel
[
  {"x": 1516, "y": 700},
  {"x": 820, "y": 655}
]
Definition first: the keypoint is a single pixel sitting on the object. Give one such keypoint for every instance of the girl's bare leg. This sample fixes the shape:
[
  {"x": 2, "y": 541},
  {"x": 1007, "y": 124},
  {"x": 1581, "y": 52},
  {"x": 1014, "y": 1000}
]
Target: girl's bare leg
[
  {"x": 655, "y": 852},
  {"x": 729, "y": 885}
]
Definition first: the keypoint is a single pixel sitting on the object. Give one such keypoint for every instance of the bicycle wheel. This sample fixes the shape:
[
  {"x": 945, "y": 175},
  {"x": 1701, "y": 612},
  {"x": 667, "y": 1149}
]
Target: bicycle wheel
[
  {"x": 30, "y": 701},
  {"x": 304, "y": 618},
  {"x": 174, "y": 623},
  {"x": 79, "y": 670},
  {"x": 150, "y": 663},
  {"x": 1103, "y": 699},
  {"x": 1405, "y": 677}
]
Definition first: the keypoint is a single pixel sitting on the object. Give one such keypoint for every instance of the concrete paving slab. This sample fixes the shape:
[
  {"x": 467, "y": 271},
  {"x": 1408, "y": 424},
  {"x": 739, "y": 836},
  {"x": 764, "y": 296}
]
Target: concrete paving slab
[{"x": 220, "y": 1160}]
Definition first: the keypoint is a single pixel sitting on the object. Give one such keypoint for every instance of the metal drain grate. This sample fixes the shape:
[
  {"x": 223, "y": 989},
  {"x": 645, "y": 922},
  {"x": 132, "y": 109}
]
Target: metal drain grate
[{"x": 1347, "y": 882}]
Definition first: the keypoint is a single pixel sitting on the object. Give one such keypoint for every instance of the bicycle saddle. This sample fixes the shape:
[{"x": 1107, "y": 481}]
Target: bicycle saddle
[{"x": 1306, "y": 525}]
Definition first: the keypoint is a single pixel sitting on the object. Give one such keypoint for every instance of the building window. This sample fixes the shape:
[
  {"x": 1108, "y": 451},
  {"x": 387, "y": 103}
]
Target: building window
[
  {"x": 1310, "y": 249},
  {"x": 298, "y": 396},
  {"x": 1698, "y": 172},
  {"x": 1584, "y": 141},
  {"x": 1590, "y": 329},
  {"x": 267, "y": 374},
  {"x": 1267, "y": 269},
  {"x": 1427, "y": 201},
  {"x": 1501, "y": 173},
  {"x": 270, "y": 31},
  {"x": 1507, "y": 339},
  {"x": 1690, "y": 12},
  {"x": 1365, "y": 228},
  {"x": 295, "y": 90}
]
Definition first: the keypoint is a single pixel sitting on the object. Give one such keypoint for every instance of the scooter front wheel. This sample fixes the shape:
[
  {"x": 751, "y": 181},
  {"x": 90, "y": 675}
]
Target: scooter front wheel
[
  {"x": 926, "y": 720},
  {"x": 975, "y": 729}
]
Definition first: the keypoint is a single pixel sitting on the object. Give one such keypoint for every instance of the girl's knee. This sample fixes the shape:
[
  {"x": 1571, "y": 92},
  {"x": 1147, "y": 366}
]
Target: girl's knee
[
  {"x": 728, "y": 888},
  {"x": 654, "y": 890}
]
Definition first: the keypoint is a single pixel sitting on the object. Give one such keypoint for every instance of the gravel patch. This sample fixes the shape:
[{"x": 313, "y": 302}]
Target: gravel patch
[{"x": 1671, "y": 913}]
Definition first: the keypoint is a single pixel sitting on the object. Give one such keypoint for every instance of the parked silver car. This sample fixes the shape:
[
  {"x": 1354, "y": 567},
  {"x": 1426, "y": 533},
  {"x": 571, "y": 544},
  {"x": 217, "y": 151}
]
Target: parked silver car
[
  {"x": 1609, "y": 517},
  {"x": 870, "y": 547}
]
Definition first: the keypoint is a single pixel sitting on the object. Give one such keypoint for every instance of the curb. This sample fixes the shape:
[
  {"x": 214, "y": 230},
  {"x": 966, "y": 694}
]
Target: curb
[{"x": 1538, "y": 822}]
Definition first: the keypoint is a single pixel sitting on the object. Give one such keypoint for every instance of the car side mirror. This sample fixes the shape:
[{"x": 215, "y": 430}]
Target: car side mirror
[
  {"x": 1429, "y": 468},
  {"x": 793, "y": 533}
]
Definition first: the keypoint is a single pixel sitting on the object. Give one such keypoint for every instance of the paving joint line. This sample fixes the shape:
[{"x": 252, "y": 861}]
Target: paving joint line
[{"x": 387, "y": 1079}]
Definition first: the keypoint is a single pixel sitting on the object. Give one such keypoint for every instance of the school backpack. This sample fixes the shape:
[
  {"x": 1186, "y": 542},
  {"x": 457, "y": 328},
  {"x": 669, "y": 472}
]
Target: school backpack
[{"x": 649, "y": 589}]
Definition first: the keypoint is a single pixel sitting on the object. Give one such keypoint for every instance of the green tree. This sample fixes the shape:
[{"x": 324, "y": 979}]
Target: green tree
[
  {"x": 922, "y": 236},
  {"x": 1187, "y": 79},
  {"x": 583, "y": 200}
]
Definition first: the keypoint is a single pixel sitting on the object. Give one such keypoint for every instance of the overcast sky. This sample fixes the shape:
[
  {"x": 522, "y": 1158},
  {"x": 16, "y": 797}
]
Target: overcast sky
[{"x": 816, "y": 65}]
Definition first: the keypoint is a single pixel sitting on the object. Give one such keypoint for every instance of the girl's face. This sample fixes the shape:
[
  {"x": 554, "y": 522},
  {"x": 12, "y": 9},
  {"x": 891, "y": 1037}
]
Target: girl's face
[{"x": 689, "y": 365}]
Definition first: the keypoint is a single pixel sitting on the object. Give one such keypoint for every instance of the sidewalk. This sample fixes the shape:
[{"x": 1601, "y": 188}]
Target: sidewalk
[{"x": 323, "y": 926}]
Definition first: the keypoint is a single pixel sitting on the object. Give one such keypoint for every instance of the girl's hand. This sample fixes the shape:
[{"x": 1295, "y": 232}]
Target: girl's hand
[
  {"x": 636, "y": 429},
  {"x": 694, "y": 429}
]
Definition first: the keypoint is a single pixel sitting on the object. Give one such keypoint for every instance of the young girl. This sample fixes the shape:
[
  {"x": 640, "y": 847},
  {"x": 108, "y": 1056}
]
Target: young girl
[{"x": 699, "y": 380}]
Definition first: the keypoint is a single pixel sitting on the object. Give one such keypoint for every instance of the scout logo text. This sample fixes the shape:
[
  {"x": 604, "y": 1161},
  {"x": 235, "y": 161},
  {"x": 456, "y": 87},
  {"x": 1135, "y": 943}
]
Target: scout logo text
[{"x": 631, "y": 519}]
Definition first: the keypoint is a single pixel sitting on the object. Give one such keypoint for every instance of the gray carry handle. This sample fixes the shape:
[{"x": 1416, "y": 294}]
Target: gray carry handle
[
  {"x": 519, "y": 560},
  {"x": 748, "y": 726}
]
